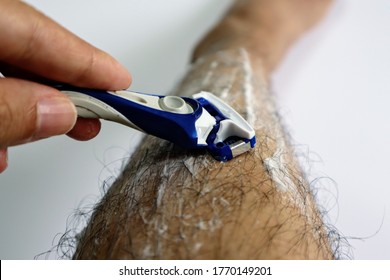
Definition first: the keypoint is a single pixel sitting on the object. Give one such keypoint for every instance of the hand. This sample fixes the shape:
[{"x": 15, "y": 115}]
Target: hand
[{"x": 33, "y": 48}]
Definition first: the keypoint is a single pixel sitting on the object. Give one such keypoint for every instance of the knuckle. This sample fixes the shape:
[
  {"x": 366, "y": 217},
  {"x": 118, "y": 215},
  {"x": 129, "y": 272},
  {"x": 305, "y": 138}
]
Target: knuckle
[
  {"x": 17, "y": 125},
  {"x": 86, "y": 69}
]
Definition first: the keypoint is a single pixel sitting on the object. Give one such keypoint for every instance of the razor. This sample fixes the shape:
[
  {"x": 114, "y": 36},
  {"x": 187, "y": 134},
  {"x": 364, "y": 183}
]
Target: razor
[{"x": 203, "y": 121}]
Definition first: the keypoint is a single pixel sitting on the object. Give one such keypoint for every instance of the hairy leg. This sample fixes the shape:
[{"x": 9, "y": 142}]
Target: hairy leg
[{"x": 172, "y": 203}]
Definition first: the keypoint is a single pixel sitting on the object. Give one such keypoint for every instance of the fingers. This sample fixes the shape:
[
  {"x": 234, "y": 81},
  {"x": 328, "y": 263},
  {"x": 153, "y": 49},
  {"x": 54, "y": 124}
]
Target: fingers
[
  {"x": 34, "y": 42},
  {"x": 3, "y": 159},
  {"x": 30, "y": 111},
  {"x": 85, "y": 129}
]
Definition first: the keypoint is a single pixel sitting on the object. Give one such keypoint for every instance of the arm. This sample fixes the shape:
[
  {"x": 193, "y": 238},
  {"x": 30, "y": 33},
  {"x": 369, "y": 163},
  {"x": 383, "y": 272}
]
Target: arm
[{"x": 170, "y": 203}]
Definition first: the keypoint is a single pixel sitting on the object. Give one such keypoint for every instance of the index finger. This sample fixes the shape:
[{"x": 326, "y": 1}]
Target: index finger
[{"x": 34, "y": 42}]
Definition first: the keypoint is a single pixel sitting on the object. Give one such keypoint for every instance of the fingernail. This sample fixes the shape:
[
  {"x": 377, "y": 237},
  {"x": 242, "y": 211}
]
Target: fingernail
[{"x": 55, "y": 116}]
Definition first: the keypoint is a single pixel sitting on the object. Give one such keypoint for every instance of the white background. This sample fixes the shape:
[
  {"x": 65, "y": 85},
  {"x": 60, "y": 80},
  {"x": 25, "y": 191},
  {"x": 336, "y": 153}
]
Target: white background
[{"x": 332, "y": 91}]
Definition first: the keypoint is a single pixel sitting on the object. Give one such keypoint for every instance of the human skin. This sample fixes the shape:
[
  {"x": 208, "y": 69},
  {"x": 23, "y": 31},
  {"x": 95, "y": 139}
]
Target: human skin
[
  {"x": 35, "y": 49},
  {"x": 171, "y": 203}
]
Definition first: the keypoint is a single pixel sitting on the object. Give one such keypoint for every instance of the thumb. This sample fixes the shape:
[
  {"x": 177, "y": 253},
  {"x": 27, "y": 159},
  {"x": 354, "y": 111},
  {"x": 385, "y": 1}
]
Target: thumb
[{"x": 30, "y": 111}]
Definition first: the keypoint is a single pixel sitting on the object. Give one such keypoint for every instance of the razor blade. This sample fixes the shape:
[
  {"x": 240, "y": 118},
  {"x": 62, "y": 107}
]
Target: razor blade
[{"x": 203, "y": 121}]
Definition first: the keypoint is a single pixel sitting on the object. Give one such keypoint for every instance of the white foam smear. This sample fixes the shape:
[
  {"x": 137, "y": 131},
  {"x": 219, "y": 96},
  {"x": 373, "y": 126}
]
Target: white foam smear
[
  {"x": 248, "y": 86},
  {"x": 279, "y": 172},
  {"x": 210, "y": 73},
  {"x": 161, "y": 188},
  {"x": 290, "y": 183}
]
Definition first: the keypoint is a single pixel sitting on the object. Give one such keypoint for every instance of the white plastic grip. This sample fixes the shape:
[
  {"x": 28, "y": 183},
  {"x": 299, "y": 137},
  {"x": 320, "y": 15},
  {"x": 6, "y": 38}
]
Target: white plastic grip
[{"x": 90, "y": 107}]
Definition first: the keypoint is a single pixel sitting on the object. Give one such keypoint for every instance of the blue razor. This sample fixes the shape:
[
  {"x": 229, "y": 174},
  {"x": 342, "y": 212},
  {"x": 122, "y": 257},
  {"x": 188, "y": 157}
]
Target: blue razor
[{"x": 203, "y": 121}]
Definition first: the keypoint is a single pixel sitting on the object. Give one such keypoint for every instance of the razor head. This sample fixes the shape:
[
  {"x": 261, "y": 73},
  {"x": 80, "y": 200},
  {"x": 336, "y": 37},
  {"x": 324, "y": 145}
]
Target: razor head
[{"x": 231, "y": 135}]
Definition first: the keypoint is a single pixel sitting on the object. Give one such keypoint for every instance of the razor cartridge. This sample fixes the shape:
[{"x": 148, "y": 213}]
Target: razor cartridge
[{"x": 203, "y": 121}]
